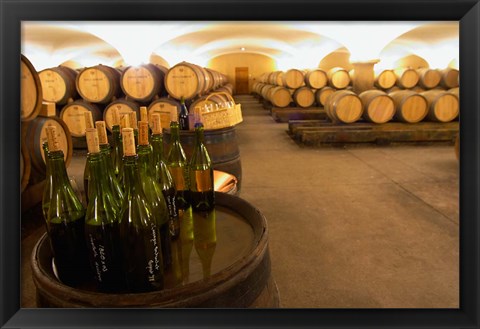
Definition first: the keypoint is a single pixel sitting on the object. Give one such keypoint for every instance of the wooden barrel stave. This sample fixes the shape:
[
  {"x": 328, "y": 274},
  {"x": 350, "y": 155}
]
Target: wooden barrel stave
[
  {"x": 338, "y": 78},
  {"x": 410, "y": 107},
  {"x": 99, "y": 84},
  {"x": 73, "y": 116},
  {"x": 30, "y": 91},
  {"x": 58, "y": 84},
  {"x": 142, "y": 83},
  {"x": 442, "y": 105},
  {"x": 304, "y": 97},
  {"x": 378, "y": 107},
  {"x": 344, "y": 106},
  {"x": 35, "y": 134}
]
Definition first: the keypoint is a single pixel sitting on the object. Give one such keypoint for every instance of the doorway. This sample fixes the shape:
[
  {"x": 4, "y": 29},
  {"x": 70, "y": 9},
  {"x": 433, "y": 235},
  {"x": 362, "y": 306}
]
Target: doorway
[{"x": 241, "y": 80}]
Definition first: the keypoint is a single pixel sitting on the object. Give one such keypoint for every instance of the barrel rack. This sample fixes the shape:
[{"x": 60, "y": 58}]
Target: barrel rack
[{"x": 322, "y": 132}]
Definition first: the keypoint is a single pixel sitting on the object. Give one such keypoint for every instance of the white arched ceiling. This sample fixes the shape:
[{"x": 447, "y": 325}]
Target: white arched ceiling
[
  {"x": 437, "y": 43},
  {"x": 290, "y": 44}
]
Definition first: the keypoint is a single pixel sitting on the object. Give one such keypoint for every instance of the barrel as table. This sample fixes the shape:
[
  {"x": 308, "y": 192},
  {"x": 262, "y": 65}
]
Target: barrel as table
[{"x": 220, "y": 260}]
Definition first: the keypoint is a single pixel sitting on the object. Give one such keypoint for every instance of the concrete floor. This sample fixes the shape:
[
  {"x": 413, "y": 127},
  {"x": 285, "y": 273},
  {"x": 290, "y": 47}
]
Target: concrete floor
[{"x": 356, "y": 227}]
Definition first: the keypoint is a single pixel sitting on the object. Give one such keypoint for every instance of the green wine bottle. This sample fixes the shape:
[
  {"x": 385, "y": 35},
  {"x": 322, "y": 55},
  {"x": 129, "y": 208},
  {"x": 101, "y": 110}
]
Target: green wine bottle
[
  {"x": 102, "y": 221},
  {"x": 65, "y": 220},
  {"x": 105, "y": 149},
  {"x": 139, "y": 232},
  {"x": 163, "y": 176},
  {"x": 153, "y": 191},
  {"x": 117, "y": 150},
  {"x": 202, "y": 195},
  {"x": 86, "y": 172},
  {"x": 178, "y": 166},
  {"x": 47, "y": 190}
]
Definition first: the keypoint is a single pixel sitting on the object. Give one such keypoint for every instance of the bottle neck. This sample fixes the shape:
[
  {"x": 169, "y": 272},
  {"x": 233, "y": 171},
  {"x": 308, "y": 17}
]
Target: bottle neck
[
  {"x": 199, "y": 133},
  {"x": 175, "y": 131},
  {"x": 156, "y": 141},
  {"x": 98, "y": 173},
  {"x": 57, "y": 167},
  {"x": 130, "y": 174}
]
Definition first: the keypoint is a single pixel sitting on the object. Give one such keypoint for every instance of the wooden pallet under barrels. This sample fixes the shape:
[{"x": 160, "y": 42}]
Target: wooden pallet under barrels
[{"x": 323, "y": 132}]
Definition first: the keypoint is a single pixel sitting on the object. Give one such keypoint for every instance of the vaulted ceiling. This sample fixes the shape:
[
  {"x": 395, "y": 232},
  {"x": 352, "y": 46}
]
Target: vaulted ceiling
[{"x": 294, "y": 44}]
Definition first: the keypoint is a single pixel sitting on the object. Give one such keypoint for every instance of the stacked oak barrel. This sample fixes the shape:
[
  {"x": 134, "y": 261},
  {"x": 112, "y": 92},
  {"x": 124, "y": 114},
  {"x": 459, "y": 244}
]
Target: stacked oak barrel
[
  {"x": 402, "y": 94},
  {"x": 100, "y": 89}
]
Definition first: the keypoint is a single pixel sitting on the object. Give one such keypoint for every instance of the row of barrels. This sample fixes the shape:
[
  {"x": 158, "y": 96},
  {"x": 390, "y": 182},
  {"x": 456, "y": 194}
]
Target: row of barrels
[
  {"x": 377, "y": 106},
  {"x": 306, "y": 97},
  {"x": 101, "y": 84},
  {"x": 73, "y": 113},
  {"x": 340, "y": 78}
]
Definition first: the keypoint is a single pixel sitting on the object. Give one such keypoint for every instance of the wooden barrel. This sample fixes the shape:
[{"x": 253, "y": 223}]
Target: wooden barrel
[
  {"x": 442, "y": 105},
  {"x": 30, "y": 91},
  {"x": 386, "y": 79},
  {"x": 185, "y": 80},
  {"x": 293, "y": 79},
  {"x": 316, "y": 79},
  {"x": 58, "y": 84},
  {"x": 142, "y": 83},
  {"x": 428, "y": 78},
  {"x": 35, "y": 133},
  {"x": 99, "y": 84},
  {"x": 304, "y": 97},
  {"x": 228, "y": 88},
  {"x": 450, "y": 78},
  {"x": 338, "y": 78},
  {"x": 220, "y": 260},
  {"x": 124, "y": 107},
  {"x": 344, "y": 106},
  {"x": 278, "y": 96},
  {"x": 222, "y": 146},
  {"x": 378, "y": 107},
  {"x": 73, "y": 116},
  {"x": 276, "y": 78},
  {"x": 322, "y": 95},
  {"x": 210, "y": 77},
  {"x": 456, "y": 92},
  {"x": 163, "y": 106},
  {"x": 409, "y": 106},
  {"x": 406, "y": 77}
]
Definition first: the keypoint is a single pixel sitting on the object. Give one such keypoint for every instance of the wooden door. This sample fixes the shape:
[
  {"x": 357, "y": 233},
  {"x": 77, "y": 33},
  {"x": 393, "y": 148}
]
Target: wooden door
[{"x": 241, "y": 80}]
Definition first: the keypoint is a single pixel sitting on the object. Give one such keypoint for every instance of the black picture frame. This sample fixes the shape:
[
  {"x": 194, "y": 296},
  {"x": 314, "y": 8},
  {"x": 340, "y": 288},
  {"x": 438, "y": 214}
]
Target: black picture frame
[{"x": 14, "y": 11}]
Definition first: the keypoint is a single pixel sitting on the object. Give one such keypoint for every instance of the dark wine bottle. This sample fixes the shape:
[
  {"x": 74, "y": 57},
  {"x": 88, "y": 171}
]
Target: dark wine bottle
[
  {"x": 65, "y": 220},
  {"x": 202, "y": 194},
  {"x": 183, "y": 115},
  {"x": 178, "y": 167},
  {"x": 153, "y": 191},
  {"x": 102, "y": 221},
  {"x": 139, "y": 232},
  {"x": 163, "y": 176},
  {"x": 117, "y": 151}
]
